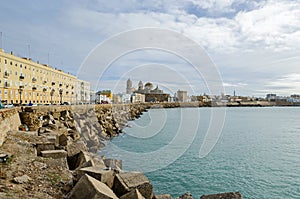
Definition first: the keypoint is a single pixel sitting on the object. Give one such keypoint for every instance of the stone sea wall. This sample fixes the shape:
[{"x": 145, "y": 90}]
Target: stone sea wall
[
  {"x": 9, "y": 121},
  {"x": 72, "y": 135}
]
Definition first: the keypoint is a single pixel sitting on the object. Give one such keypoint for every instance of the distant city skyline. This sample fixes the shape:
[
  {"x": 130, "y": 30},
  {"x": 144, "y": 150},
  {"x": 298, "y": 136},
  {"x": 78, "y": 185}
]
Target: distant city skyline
[{"x": 254, "y": 44}]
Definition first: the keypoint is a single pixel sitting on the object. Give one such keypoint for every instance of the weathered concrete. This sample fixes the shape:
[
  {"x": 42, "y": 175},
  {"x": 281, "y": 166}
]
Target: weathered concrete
[
  {"x": 9, "y": 121},
  {"x": 105, "y": 176},
  {"x": 55, "y": 154},
  {"x": 125, "y": 182},
  {"x": 133, "y": 194},
  {"x": 229, "y": 195},
  {"x": 44, "y": 146},
  {"x": 89, "y": 187},
  {"x": 113, "y": 163}
]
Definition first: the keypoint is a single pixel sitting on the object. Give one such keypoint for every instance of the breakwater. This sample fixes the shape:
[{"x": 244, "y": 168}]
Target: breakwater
[{"x": 68, "y": 137}]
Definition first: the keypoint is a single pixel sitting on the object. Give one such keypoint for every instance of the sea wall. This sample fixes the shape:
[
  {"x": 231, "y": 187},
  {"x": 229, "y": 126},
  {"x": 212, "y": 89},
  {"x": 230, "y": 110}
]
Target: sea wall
[
  {"x": 68, "y": 137},
  {"x": 9, "y": 121}
]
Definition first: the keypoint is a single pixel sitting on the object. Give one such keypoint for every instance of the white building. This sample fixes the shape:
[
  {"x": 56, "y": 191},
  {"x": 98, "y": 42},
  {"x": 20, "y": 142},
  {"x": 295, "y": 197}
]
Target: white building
[
  {"x": 182, "y": 96},
  {"x": 137, "y": 98},
  {"x": 82, "y": 92}
]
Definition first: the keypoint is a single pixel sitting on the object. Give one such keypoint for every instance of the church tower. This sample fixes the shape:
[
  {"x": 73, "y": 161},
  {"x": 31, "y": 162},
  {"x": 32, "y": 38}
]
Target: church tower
[
  {"x": 140, "y": 86},
  {"x": 129, "y": 87}
]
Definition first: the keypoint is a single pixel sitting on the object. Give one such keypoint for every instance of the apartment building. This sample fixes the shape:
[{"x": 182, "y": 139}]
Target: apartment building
[
  {"x": 82, "y": 93},
  {"x": 23, "y": 81}
]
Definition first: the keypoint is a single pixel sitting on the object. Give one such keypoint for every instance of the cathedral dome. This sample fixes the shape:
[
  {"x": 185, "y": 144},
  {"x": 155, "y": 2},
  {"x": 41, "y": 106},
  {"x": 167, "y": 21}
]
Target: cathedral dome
[{"x": 148, "y": 85}]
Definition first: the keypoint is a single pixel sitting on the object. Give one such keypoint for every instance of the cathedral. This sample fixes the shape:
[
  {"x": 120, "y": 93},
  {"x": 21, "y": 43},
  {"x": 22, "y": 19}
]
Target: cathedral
[{"x": 151, "y": 95}]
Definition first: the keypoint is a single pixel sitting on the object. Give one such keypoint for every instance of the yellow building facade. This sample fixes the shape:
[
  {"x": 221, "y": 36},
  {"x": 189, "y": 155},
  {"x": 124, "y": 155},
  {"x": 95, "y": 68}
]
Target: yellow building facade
[{"x": 24, "y": 81}]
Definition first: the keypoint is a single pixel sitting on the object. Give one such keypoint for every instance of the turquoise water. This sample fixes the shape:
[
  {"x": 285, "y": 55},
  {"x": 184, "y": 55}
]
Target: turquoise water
[{"x": 257, "y": 154}]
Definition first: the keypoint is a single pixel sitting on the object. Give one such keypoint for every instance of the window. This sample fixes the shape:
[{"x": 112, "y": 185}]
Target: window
[
  {"x": 16, "y": 73},
  {"x": 20, "y": 65},
  {"x": 5, "y": 61},
  {"x": 11, "y": 63},
  {"x": 16, "y": 64}
]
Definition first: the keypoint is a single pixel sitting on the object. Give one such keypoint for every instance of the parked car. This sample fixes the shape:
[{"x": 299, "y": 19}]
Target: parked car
[{"x": 8, "y": 106}]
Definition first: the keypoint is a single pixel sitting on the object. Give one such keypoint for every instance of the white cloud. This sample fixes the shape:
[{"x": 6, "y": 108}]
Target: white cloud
[{"x": 275, "y": 25}]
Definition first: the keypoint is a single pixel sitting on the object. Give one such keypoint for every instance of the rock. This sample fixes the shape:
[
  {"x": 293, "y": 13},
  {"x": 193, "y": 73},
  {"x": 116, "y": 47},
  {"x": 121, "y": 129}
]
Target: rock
[
  {"x": 75, "y": 148},
  {"x": 133, "y": 194},
  {"x": 21, "y": 179},
  {"x": 125, "y": 182},
  {"x": 105, "y": 176},
  {"x": 51, "y": 138},
  {"x": 44, "y": 146},
  {"x": 230, "y": 195},
  {"x": 78, "y": 160},
  {"x": 63, "y": 140},
  {"x": 40, "y": 165},
  {"x": 187, "y": 195},
  {"x": 55, "y": 154},
  {"x": 52, "y": 127},
  {"x": 163, "y": 196},
  {"x": 89, "y": 187},
  {"x": 113, "y": 163}
]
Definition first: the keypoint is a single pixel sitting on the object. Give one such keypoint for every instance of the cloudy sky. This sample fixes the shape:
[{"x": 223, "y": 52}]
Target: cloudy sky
[{"x": 254, "y": 44}]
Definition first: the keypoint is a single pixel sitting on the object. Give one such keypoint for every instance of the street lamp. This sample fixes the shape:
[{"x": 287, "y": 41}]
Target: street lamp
[
  {"x": 20, "y": 91},
  {"x": 60, "y": 93},
  {"x": 51, "y": 94}
]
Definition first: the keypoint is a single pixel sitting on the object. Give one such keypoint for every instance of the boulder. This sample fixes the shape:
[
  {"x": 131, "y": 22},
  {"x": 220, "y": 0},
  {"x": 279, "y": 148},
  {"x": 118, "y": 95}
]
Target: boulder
[
  {"x": 51, "y": 138},
  {"x": 113, "y": 163},
  {"x": 105, "y": 176},
  {"x": 187, "y": 195},
  {"x": 89, "y": 187},
  {"x": 44, "y": 146},
  {"x": 63, "y": 140},
  {"x": 79, "y": 160},
  {"x": 21, "y": 179},
  {"x": 125, "y": 182},
  {"x": 163, "y": 196},
  {"x": 229, "y": 195},
  {"x": 133, "y": 194},
  {"x": 75, "y": 148},
  {"x": 55, "y": 154}
]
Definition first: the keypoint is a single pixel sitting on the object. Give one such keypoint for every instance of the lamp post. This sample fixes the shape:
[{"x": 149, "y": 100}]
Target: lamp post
[
  {"x": 20, "y": 91},
  {"x": 60, "y": 93},
  {"x": 51, "y": 94}
]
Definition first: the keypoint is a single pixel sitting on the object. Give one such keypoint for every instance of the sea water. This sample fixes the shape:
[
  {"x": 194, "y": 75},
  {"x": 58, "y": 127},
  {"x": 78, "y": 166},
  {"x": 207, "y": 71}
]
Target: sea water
[{"x": 257, "y": 151}]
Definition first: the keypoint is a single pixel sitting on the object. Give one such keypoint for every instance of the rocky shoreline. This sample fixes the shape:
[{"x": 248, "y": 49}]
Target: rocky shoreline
[{"x": 55, "y": 156}]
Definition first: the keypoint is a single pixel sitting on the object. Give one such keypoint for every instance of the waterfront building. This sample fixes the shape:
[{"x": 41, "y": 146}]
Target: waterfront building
[
  {"x": 137, "y": 98},
  {"x": 152, "y": 95},
  {"x": 24, "y": 81},
  {"x": 82, "y": 90},
  {"x": 182, "y": 96},
  {"x": 104, "y": 96}
]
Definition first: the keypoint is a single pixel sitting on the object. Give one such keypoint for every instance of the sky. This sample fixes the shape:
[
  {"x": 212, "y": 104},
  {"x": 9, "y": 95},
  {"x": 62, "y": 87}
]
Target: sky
[{"x": 253, "y": 45}]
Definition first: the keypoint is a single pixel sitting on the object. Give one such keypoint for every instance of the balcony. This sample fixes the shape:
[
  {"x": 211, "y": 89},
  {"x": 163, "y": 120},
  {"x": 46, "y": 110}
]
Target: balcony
[
  {"x": 21, "y": 77},
  {"x": 34, "y": 79},
  {"x": 6, "y": 74}
]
